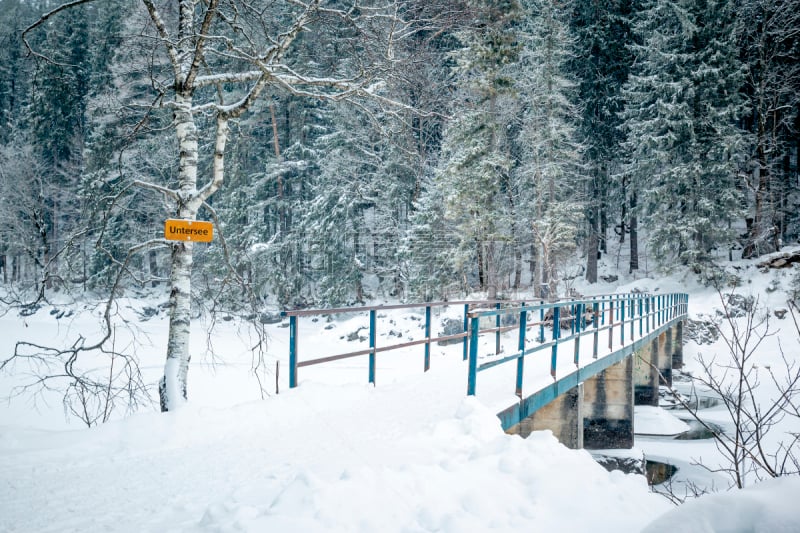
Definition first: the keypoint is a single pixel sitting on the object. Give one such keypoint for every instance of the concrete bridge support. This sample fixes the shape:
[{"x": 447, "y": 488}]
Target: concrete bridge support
[
  {"x": 598, "y": 413},
  {"x": 653, "y": 366},
  {"x": 677, "y": 347},
  {"x": 563, "y": 416},
  {"x": 608, "y": 408}
]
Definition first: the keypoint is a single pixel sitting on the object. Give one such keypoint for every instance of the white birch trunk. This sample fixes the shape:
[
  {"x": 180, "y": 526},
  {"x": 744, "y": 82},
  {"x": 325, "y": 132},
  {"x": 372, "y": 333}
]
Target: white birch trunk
[{"x": 173, "y": 388}]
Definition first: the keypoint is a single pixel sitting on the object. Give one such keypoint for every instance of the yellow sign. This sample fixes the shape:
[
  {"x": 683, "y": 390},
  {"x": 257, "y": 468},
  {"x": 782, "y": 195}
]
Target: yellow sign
[{"x": 188, "y": 230}]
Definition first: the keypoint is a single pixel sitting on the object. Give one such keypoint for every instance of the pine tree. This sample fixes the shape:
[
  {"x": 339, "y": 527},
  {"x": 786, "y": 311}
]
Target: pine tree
[
  {"x": 475, "y": 163},
  {"x": 683, "y": 146},
  {"x": 431, "y": 270},
  {"x": 601, "y": 64},
  {"x": 769, "y": 43},
  {"x": 549, "y": 175}
]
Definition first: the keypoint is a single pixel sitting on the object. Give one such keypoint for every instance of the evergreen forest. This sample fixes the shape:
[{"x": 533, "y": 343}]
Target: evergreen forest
[{"x": 409, "y": 149}]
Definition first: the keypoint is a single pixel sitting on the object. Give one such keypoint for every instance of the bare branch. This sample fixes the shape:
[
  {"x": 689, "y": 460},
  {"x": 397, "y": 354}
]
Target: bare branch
[
  {"x": 155, "y": 16},
  {"x": 169, "y": 193}
]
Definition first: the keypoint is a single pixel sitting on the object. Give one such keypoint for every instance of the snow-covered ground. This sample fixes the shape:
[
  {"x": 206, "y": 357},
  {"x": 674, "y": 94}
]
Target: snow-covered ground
[{"x": 337, "y": 454}]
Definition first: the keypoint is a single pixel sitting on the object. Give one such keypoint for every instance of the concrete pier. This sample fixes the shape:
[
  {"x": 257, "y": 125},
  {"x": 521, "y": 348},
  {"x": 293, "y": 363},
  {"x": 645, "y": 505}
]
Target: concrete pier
[
  {"x": 653, "y": 366},
  {"x": 608, "y": 408},
  {"x": 677, "y": 347},
  {"x": 598, "y": 413}
]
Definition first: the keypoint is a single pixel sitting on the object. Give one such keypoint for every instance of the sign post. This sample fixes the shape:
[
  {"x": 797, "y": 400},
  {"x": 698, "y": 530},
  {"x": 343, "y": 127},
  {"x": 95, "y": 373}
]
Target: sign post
[{"x": 188, "y": 230}]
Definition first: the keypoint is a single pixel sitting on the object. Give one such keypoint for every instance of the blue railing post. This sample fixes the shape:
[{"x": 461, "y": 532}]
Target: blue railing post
[
  {"x": 497, "y": 333},
  {"x": 641, "y": 316},
  {"x": 427, "y": 364},
  {"x": 632, "y": 314},
  {"x": 572, "y": 323},
  {"x": 473, "y": 356},
  {"x": 622, "y": 322},
  {"x": 556, "y": 336},
  {"x": 654, "y": 312},
  {"x": 292, "y": 352},
  {"x": 596, "y": 323},
  {"x": 372, "y": 346},
  {"x": 670, "y": 300},
  {"x": 523, "y": 321},
  {"x": 583, "y": 317},
  {"x": 541, "y": 322},
  {"x": 602, "y": 310},
  {"x": 466, "y": 330},
  {"x": 610, "y": 323},
  {"x": 578, "y": 318}
]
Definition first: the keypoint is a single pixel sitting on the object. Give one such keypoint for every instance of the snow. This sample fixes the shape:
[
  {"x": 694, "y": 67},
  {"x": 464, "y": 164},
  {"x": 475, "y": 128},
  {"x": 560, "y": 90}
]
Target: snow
[
  {"x": 656, "y": 421},
  {"x": 412, "y": 454},
  {"x": 769, "y": 507}
]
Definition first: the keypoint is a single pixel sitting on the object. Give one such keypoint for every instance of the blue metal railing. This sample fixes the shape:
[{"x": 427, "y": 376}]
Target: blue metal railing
[
  {"x": 295, "y": 363},
  {"x": 585, "y": 317},
  {"x": 605, "y": 312}
]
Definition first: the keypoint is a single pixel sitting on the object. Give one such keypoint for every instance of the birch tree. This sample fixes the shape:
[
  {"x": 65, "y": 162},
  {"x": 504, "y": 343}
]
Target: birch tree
[{"x": 211, "y": 61}]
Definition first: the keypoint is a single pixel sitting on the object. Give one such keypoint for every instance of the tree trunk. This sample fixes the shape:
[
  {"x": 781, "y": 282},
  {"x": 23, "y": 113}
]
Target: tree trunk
[
  {"x": 536, "y": 275},
  {"x": 552, "y": 277},
  {"x": 153, "y": 267},
  {"x": 172, "y": 389},
  {"x": 762, "y": 219},
  {"x": 634, "y": 244},
  {"x": 591, "y": 255},
  {"x": 492, "y": 276},
  {"x": 481, "y": 271},
  {"x": 603, "y": 244},
  {"x": 593, "y": 245},
  {"x": 277, "y": 145}
]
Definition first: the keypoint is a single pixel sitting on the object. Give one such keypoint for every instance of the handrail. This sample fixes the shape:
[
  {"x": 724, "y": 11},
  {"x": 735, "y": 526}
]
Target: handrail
[
  {"x": 604, "y": 312},
  {"x": 294, "y": 315},
  {"x": 648, "y": 310}
]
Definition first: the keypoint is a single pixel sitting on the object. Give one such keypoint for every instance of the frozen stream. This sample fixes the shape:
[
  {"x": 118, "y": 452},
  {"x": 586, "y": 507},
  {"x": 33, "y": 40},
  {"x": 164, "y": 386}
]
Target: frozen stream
[{"x": 677, "y": 461}]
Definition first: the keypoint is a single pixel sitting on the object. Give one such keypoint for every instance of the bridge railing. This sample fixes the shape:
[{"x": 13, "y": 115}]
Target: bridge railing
[
  {"x": 616, "y": 314},
  {"x": 619, "y": 315},
  {"x": 373, "y": 349}
]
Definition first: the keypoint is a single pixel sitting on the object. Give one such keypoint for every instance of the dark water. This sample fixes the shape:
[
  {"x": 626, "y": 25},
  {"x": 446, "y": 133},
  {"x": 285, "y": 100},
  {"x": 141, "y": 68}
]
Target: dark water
[
  {"x": 657, "y": 472},
  {"x": 698, "y": 432}
]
